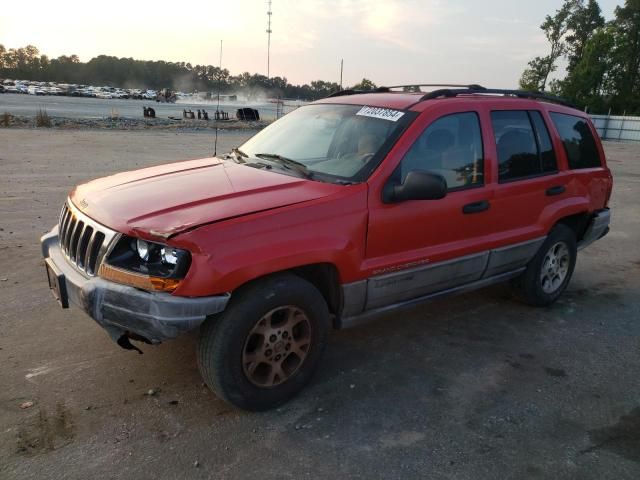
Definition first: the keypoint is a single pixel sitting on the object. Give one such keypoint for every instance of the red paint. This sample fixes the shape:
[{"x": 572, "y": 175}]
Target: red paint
[{"x": 241, "y": 223}]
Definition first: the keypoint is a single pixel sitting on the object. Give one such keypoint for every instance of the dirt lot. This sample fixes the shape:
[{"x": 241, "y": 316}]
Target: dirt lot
[{"x": 473, "y": 387}]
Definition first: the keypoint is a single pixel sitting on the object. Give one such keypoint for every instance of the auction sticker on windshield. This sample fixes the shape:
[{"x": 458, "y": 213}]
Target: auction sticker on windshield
[{"x": 382, "y": 113}]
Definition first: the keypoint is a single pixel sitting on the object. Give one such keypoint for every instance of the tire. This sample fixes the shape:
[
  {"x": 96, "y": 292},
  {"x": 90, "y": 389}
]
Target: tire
[
  {"x": 281, "y": 321},
  {"x": 544, "y": 280}
]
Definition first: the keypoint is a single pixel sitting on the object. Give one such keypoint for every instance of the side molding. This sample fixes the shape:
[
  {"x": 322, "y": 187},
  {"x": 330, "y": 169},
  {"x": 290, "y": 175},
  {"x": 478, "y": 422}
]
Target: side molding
[{"x": 379, "y": 294}]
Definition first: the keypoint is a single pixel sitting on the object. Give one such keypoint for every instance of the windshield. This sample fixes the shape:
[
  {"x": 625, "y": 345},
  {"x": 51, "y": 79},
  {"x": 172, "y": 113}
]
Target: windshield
[{"x": 327, "y": 141}]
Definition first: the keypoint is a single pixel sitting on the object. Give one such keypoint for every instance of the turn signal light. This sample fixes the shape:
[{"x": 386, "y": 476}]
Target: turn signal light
[{"x": 137, "y": 280}]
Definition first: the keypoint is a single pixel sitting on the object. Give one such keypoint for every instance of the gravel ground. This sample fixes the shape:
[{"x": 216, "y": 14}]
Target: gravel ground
[{"x": 472, "y": 387}]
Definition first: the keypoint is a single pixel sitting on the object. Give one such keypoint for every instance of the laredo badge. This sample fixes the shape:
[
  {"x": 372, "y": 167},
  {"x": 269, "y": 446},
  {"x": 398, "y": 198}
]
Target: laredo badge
[{"x": 381, "y": 113}]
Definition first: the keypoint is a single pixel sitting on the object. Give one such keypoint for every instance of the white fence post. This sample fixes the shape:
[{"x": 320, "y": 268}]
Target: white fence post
[
  {"x": 622, "y": 125},
  {"x": 606, "y": 125}
]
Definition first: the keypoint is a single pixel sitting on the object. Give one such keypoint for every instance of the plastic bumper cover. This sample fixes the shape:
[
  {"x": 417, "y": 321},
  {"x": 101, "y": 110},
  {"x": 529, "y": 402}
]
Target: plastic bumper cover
[
  {"x": 598, "y": 227},
  {"x": 122, "y": 310}
]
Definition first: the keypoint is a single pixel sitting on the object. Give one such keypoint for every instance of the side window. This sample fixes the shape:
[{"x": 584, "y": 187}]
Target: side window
[
  {"x": 523, "y": 150},
  {"x": 547, "y": 154},
  {"x": 578, "y": 140},
  {"x": 452, "y": 147}
]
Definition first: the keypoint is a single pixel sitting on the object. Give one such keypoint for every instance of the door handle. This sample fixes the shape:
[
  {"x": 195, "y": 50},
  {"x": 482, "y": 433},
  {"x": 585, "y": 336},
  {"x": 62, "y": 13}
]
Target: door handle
[
  {"x": 476, "y": 207},
  {"x": 557, "y": 190}
]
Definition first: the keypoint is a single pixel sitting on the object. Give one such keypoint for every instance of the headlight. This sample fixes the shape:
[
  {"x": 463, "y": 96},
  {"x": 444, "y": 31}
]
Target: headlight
[
  {"x": 143, "y": 249},
  {"x": 145, "y": 264}
]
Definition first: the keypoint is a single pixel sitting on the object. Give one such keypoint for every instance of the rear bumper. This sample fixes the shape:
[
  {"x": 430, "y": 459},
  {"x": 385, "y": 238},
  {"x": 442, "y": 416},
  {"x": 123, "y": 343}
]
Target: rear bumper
[
  {"x": 122, "y": 310},
  {"x": 598, "y": 227}
]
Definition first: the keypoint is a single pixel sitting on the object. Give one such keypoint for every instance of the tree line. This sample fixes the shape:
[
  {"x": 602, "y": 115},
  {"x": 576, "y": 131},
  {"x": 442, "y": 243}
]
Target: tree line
[
  {"x": 28, "y": 63},
  {"x": 602, "y": 58}
]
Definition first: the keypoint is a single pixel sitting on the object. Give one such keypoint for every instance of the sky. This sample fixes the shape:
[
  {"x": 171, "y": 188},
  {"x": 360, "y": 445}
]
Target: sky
[{"x": 387, "y": 41}]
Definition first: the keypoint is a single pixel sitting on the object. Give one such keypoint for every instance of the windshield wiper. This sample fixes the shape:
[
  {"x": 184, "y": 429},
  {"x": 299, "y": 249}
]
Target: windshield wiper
[
  {"x": 287, "y": 162},
  {"x": 238, "y": 155}
]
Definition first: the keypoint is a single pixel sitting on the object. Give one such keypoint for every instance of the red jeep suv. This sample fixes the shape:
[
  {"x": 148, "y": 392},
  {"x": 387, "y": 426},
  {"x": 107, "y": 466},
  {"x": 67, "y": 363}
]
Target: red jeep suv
[{"x": 350, "y": 207}]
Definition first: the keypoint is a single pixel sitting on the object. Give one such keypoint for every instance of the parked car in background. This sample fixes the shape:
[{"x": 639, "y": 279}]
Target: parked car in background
[
  {"x": 103, "y": 94},
  {"x": 74, "y": 90},
  {"x": 36, "y": 90}
]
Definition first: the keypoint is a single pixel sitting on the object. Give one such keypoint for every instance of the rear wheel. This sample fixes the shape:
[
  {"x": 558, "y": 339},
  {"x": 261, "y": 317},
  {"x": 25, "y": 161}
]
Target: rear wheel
[
  {"x": 548, "y": 274},
  {"x": 267, "y": 344}
]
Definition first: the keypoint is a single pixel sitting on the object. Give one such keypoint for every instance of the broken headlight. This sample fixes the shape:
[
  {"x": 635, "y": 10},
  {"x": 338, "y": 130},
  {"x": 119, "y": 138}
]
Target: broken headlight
[{"x": 149, "y": 259}]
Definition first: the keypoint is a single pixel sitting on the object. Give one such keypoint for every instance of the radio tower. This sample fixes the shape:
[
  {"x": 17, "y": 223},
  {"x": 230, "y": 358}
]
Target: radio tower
[{"x": 268, "y": 35}]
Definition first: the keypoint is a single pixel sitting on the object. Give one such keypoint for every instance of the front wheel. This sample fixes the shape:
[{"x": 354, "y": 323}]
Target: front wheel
[
  {"x": 267, "y": 344},
  {"x": 549, "y": 272}
]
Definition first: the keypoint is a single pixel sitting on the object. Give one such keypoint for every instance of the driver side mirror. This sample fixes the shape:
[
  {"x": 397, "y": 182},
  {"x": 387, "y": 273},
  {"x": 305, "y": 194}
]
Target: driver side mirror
[{"x": 418, "y": 185}]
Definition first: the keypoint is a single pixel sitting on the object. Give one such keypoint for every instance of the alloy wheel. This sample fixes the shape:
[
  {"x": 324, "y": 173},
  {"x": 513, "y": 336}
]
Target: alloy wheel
[
  {"x": 555, "y": 267},
  {"x": 276, "y": 346}
]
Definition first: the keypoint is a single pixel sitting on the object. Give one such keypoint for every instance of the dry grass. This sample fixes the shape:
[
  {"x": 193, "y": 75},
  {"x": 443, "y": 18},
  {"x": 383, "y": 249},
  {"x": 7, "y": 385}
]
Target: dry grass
[
  {"x": 5, "y": 120},
  {"x": 42, "y": 118}
]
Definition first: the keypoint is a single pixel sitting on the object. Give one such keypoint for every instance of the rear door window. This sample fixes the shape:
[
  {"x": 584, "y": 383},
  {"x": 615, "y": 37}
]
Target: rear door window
[
  {"x": 578, "y": 140},
  {"x": 523, "y": 145}
]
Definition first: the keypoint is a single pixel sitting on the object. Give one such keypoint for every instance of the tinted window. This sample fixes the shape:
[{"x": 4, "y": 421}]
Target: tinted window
[
  {"x": 545, "y": 146},
  {"x": 578, "y": 140},
  {"x": 452, "y": 147},
  {"x": 523, "y": 151}
]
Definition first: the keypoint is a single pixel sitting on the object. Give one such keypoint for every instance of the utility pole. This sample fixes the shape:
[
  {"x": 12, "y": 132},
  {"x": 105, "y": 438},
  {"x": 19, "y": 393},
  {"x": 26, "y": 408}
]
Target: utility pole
[
  {"x": 268, "y": 36},
  {"x": 217, "y": 116},
  {"x": 341, "y": 67}
]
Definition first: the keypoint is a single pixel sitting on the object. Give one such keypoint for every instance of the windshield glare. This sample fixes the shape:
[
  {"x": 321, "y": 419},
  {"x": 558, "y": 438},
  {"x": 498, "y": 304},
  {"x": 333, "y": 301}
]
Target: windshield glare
[{"x": 328, "y": 139}]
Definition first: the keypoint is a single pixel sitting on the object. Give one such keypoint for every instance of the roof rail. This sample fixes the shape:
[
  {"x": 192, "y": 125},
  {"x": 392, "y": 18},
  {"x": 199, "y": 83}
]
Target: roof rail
[
  {"x": 496, "y": 91},
  {"x": 460, "y": 90},
  {"x": 416, "y": 88},
  {"x": 349, "y": 91}
]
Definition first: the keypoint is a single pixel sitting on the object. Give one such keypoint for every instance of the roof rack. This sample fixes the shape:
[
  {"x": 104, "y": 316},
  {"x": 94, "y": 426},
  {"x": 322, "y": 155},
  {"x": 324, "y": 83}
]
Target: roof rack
[
  {"x": 472, "y": 89},
  {"x": 448, "y": 93},
  {"x": 415, "y": 87}
]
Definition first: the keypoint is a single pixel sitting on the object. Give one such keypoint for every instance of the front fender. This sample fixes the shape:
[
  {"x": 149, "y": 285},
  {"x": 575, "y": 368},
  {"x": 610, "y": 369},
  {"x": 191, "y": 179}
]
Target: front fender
[{"x": 228, "y": 254}]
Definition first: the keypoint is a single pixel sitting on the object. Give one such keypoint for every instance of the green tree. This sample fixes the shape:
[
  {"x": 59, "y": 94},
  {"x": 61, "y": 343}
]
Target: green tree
[
  {"x": 583, "y": 20},
  {"x": 554, "y": 28},
  {"x": 626, "y": 57},
  {"x": 535, "y": 76},
  {"x": 27, "y": 64},
  {"x": 365, "y": 84},
  {"x": 588, "y": 84}
]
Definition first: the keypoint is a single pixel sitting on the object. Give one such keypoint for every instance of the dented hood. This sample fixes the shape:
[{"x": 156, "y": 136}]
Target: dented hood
[{"x": 168, "y": 199}]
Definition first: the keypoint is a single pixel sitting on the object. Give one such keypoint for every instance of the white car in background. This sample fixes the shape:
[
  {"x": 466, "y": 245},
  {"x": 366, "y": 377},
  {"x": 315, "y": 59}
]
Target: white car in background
[
  {"x": 149, "y": 95},
  {"x": 36, "y": 90},
  {"x": 102, "y": 94}
]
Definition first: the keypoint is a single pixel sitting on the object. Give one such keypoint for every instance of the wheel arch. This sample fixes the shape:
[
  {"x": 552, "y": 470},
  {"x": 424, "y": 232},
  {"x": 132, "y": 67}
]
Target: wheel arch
[
  {"x": 577, "y": 222},
  {"x": 323, "y": 276}
]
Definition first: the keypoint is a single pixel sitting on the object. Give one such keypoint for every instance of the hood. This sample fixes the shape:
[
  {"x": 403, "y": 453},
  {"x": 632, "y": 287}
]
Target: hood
[{"x": 168, "y": 199}]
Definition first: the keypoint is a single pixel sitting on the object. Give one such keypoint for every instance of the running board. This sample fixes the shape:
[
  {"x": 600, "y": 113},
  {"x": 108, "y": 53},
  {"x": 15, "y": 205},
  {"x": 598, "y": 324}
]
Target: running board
[{"x": 369, "y": 315}]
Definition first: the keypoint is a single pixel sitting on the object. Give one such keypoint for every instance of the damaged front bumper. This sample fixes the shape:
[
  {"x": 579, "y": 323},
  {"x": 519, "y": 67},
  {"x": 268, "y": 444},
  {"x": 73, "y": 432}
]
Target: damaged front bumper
[{"x": 125, "y": 312}]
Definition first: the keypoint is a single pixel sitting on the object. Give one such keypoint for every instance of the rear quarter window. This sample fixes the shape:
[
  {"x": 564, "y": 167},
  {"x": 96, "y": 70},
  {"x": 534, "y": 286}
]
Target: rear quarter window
[{"x": 578, "y": 140}]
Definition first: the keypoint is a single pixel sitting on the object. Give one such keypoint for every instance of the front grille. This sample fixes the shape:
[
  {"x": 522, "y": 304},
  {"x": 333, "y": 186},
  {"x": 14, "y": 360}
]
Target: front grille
[{"x": 82, "y": 240}]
